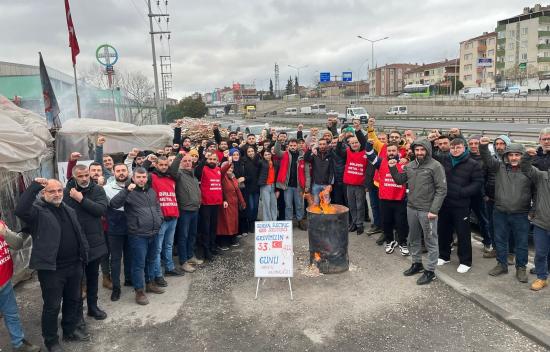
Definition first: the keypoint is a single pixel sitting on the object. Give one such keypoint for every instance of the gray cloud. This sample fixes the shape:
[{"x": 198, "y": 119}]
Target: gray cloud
[{"x": 215, "y": 43}]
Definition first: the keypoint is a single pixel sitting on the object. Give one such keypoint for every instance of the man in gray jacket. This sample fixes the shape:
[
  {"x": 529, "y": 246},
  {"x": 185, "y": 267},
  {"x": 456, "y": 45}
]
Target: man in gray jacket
[
  {"x": 512, "y": 205},
  {"x": 188, "y": 194},
  {"x": 427, "y": 190}
]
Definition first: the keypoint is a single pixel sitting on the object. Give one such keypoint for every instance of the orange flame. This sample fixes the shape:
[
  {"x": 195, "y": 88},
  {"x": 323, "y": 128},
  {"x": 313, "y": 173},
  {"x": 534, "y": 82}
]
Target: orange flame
[
  {"x": 317, "y": 256},
  {"x": 324, "y": 199}
]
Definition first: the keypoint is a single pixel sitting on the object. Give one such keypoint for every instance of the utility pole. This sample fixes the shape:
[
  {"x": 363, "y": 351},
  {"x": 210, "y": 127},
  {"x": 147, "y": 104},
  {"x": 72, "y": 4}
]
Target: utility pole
[
  {"x": 277, "y": 88},
  {"x": 152, "y": 33}
]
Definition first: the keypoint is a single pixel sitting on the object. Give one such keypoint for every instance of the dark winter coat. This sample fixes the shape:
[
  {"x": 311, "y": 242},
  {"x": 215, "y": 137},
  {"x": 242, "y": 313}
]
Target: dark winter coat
[
  {"x": 541, "y": 161},
  {"x": 251, "y": 174},
  {"x": 46, "y": 230},
  {"x": 188, "y": 192},
  {"x": 89, "y": 213},
  {"x": 321, "y": 164},
  {"x": 541, "y": 179},
  {"x": 143, "y": 215}
]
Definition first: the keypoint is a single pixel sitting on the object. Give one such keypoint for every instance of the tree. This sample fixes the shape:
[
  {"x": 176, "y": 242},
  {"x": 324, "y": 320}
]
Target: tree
[
  {"x": 289, "y": 86},
  {"x": 194, "y": 108},
  {"x": 296, "y": 85},
  {"x": 271, "y": 88}
]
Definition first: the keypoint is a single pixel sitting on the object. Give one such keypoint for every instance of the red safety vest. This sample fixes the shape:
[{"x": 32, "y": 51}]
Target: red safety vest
[
  {"x": 388, "y": 189},
  {"x": 6, "y": 263},
  {"x": 165, "y": 188},
  {"x": 211, "y": 186},
  {"x": 356, "y": 165}
]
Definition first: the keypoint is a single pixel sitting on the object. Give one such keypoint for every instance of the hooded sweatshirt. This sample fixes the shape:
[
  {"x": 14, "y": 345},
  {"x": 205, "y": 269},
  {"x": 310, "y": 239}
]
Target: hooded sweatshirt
[
  {"x": 426, "y": 181},
  {"x": 512, "y": 187}
]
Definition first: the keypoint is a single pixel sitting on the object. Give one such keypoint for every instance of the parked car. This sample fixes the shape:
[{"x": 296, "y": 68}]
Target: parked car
[
  {"x": 291, "y": 111},
  {"x": 515, "y": 91},
  {"x": 475, "y": 93},
  {"x": 397, "y": 110}
]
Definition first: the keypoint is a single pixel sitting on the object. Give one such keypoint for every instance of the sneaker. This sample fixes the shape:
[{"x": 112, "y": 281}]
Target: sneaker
[
  {"x": 498, "y": 270},
  {"x": 521, "y": 274},
  {"x": 141, "y": 298},
  {"x": 426, "y": 278},
  {"x": 223, "y": 248},
  {"x": 153, "y": 288},
  {"x": 390, "y": 247},
  {"x": 492, "y": 253},
  {"x": 244, "y": 234},
  {"x": 511, "y": 259},
  {"x": 486, "y": 248},
  {"x": 373, "y": 230},
  {"x": 441, "y": 262},
  {"x": 196, "y": 261},
  {"x": 463, "y": 269},
  {"x": 187, "y": 267},
  {"x": 26, "y": 346},
  {"x": 235, "y": 242},
  {"x": 404, "y": 250},
  {"x": 175, "y": 272},
  {"x": 381, "y": 239},
  {"x": 539, "y": 284},
  {"x": 161, "y": 282},
  {"x": 414, "y": 269}
]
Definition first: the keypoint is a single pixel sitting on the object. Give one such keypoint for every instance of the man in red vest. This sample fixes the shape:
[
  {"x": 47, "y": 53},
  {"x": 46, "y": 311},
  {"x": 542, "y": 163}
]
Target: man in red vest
[
  {"x": 8, "y": 305},
  {"x": 393, "y": 206},
  {"x": 210, "y": 176}
]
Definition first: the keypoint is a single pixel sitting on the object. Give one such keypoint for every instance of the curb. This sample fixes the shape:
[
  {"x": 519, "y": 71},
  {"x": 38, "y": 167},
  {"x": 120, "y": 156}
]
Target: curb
[{"x": 500, "y": 313}]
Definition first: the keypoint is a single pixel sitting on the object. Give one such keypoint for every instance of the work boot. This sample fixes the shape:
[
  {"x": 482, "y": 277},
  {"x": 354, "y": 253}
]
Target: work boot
[
  {"x": 115, "y": 295},
  {"x": 153, "y": 288},
  {"x": 373, "y": 230},
  {"x": 161, "y": 282},
  {"x": 352, "y": 228},
  {"x": 360, "y": 230},
  {"x": 77, "y": 336},
  {"x": 187, "y": 267},
  {"x": 492, "y": 253},
  {"x": 194, "y": 260},
  {"x": 426, "y": 278},
  {"x": 107, "y": 283},
  {"x": 414, "y": 269},
  {"x": 539, "y": 284},
  {"x": 521, "y": 274},
  {"x": 141, "y": 298},
  {"x": 302, "y": 225},
  {"x": 26, "y": 346},
  {"x": 96, "y": 313},
  {"x": 175, "y": 272},
  {"x": 511, "y": 259},
  {"x": 498, "y": 270},
  {"x": 381, "y": 239},
  {"x": 55, "y": 348}
]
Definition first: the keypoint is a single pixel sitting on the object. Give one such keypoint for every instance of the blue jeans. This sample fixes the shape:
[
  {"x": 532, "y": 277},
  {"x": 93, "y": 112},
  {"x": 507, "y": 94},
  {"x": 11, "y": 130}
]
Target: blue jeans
[
  {"x": 375, "y": 206},
  {"x": 8, "y": 308},
  {"x": 269, "y": 203},
  {"x": 165, "y": 242},
  {"x": 187, "y": 234},
  {"x": 252, "y": 202},
  {"x": 144, "y": 249},
  {"x": 507, "y": 225},
  {"x": 293, "y": 199},
  {"x": 315, "y": 190},
  {"x": 542, "y": 247}
]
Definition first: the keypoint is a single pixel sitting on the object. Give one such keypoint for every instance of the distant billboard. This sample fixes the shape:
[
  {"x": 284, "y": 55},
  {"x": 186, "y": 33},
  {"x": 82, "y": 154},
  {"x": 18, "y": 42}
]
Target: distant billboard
[
  {"x": 484, "y": 62},
  {"x": 324, "y": 77},
  {"x": 346, "y": 76}
]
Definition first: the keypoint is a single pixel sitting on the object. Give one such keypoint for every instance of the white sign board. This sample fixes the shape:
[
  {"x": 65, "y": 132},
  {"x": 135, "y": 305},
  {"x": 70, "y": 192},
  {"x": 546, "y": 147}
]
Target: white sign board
[
  {"x": 274, "y": 256},
  {"x": 484, "y": 62}
]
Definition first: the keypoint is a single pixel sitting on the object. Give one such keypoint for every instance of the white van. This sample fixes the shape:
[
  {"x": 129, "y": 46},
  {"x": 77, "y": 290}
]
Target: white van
[
  {"x": 515, "y": 91},
  {"x": 397, "y": 110},
  {"x": 291, "y": 111},
  {"x": 475, "y": 93}
]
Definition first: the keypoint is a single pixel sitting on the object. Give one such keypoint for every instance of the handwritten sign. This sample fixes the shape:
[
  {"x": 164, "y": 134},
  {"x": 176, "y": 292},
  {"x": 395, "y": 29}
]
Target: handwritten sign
[{"x": 274, "y": 256}]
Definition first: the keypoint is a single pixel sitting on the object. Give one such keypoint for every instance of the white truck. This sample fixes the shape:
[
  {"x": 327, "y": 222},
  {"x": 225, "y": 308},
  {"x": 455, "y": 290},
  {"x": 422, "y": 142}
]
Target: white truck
[
  {"x": 305, "y": 110},
  {"x": 357, "y": 112}
]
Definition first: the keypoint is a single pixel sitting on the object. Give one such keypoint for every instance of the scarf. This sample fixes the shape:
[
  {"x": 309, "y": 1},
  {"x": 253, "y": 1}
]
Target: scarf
[{"x": 455, "y": 160}]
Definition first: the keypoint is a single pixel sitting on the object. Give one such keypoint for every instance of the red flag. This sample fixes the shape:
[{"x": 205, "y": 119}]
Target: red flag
[
  {"x": 277, "y": 244},
  {"x": 73, "y": 43}
]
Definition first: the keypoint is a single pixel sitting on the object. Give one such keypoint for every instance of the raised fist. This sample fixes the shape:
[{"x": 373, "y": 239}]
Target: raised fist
[
  {"x": 392, "y": 162},
  {"x": 75, "y": 156},
  {"x": 100, "y": 140},
  {"x": 484, "y": 140},
  {"x": 371, "y": 122},
  {"x": 41, "y": 181},
  {"x": 531, "y": 151},
  {"x": 131, "y": 187}
]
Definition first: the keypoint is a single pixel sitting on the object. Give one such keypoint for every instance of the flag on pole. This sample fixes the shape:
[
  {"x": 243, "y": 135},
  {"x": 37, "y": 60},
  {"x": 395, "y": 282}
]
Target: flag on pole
[
  {"x": 50, "y": 102},
  {"x": 73, "y": 43}
]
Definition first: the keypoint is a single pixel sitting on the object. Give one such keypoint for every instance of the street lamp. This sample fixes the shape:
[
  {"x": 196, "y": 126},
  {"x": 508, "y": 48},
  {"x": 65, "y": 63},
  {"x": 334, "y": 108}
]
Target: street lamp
[
  {"x": 372, "y": 45},
  {"x": 298, "y": 69}
]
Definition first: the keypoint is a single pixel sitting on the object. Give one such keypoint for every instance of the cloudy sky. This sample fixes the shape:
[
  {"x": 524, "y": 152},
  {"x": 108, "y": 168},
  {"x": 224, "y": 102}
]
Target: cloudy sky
[{"x": 215, "y": 43}]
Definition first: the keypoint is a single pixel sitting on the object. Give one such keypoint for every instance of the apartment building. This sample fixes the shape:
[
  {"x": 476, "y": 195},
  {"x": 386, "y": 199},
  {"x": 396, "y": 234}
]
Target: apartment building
[
  {"x": 388, "y": 79},
  {"x": 478, "y": 61},
  {"x": 433, "y": 73},
  {"x": 523, "y": 48}
]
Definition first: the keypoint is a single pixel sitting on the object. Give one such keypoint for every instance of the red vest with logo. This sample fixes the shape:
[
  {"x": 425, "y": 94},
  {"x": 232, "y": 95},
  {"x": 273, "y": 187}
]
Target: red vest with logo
[
  {"x": 6, "y": 263},
  {"x": 356, "y": 166},
  {"x": 211, "y": 186},
  {"x": 388, "y": 189},
  {"x": 165, "y": 188},
  {"x": 284, "y": 164}
]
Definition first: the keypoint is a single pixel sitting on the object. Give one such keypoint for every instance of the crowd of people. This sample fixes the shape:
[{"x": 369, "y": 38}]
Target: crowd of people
[{"x": 193, "y": 200}]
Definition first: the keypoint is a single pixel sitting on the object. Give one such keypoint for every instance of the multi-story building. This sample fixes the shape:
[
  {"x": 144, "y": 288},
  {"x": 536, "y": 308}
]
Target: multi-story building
[
  {"x": 523, "y": 48},
  {"x": 436, "y": 73},
  {"x": 478, "y": 60},
  {"x": 388, "y": 79}
]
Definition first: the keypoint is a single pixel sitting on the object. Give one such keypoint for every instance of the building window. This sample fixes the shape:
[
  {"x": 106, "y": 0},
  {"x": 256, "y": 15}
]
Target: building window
[
  {"x": 510, "y": 46},
  {"x": 468, "y": 77},
  {"x": 524, "y": 44},
  {"x": 467, "y": 57},
  {"x": 511, "y": 58},
  {"x": 524, "y": 31},
  {"x": 511, "y": 33},
  {"x": 501, "y": 35},
  {"x": 490, "y": 74},
  {"x": 468, "y": 67},
  {"x": 524, "y": 55},
  {"x": 491, "y": 53},
  {"x": 490, "y": 41},
  {"x": 545, "y": 54}
]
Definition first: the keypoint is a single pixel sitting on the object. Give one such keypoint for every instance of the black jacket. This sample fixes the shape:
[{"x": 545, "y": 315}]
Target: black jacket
[
  {"x": 323, "y": 172},
  {"x": 541, "y": 161},
  {"x": 251, "y": 173},
  {"x": 464, "y": 181},
  {"x": 89, "y": 212},
  {"x": 143, "y": 215},
  {"x": 264, "y": 171},
  {"x": 45, "y": 229},
  {"x": 338, "y": 166}
]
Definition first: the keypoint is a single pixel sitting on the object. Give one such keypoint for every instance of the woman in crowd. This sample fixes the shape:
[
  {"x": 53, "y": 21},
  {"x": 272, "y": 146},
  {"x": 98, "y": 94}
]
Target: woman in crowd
[
  {"x": 266, "y": 180},
  {"x": 251, "y": 188}
]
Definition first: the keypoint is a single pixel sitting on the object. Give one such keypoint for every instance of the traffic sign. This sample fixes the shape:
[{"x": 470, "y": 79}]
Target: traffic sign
[
  {"x": 522, "y": 66},
  {"x": 106, "y": 55},
  {"x": 324, "y": 77},
  {"x": 346, "y": 76}
]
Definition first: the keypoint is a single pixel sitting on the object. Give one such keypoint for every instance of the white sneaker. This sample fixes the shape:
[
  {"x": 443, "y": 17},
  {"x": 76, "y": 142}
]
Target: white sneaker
[
  {"x": 404, "y": 251},
  {"x": 441, "y": 262},
  {"x": 244, "y": 234},
  {"x": 390, "y": 247},
  {"x": 462, "y": 269}
]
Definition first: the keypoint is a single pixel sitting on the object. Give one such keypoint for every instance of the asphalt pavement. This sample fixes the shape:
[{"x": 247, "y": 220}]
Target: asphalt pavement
[{"x": 372, "y": 307}]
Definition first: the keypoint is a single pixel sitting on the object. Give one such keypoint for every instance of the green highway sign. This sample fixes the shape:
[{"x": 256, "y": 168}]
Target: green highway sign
[{"x": 522, "y": 66}]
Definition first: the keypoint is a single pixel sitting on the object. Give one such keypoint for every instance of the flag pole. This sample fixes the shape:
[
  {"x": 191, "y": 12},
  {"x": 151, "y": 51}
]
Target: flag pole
[{"x": 76, "y": 91}]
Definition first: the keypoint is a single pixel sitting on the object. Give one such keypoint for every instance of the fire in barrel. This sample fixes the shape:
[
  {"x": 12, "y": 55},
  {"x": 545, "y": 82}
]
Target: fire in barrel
[{"x": 328, "y": 234}]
